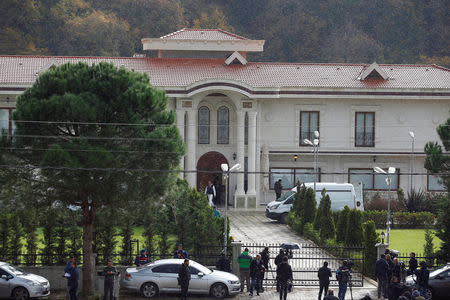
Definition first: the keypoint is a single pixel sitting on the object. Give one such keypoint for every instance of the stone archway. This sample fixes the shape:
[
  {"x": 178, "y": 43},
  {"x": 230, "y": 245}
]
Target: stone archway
[{"x": 208, "y": 162}]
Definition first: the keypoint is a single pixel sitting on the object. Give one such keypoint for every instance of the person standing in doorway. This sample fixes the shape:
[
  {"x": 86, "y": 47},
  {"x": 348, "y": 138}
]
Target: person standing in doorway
[
  {"x": 284, "y": 275},
  {"x": 109, "y": 272},
  {"x": 324, "y": 275},
  {"x": 278, "y": 187},
  {"x": 184, "y": 276},
  {"x": 244, "y": 261},
  {"x": 210, "y": 192},
  {"x": 73, "y": 281}
]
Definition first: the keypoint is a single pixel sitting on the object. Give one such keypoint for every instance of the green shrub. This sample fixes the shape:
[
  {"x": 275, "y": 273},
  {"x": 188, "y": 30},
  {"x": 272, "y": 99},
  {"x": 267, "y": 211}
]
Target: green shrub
[
  {"x": 295, "y": 223},
  {"x": 354, "y": 231},
  {"x": 370, "y": 251},
  {"x": 400, "y": 219},
  {"x": 342, "y": 224},
  {"x": 310, "y": 233},
  {"x": 428, "y": 247}
]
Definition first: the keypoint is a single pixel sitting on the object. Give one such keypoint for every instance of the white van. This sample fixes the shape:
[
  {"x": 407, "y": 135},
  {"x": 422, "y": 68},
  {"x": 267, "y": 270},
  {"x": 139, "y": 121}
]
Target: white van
[{"x": 341, "y": 194}]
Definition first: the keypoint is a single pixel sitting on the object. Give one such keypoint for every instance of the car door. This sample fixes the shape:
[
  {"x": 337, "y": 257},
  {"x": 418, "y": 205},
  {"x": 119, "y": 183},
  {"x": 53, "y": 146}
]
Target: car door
[
  {"x": 5, "y": 286},
  {"x": 198, "y": 284},
  {"x": 441, "y": 284},
  {"x": 167, "y": 277}
]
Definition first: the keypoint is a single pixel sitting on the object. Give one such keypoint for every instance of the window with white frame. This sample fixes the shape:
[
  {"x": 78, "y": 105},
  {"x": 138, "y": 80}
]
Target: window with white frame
[
  {"x": 364, "y": 129},
  {"x": 435, "y": 183},
  {"x": 203, "y": 125},
  {"x": 373, "y": 181},
  {"x": 4, "y": 120},
  {"x": 290, "y": 176},
  {"x": 309, "y": 122},
  {"x": 223, "y": 121}
]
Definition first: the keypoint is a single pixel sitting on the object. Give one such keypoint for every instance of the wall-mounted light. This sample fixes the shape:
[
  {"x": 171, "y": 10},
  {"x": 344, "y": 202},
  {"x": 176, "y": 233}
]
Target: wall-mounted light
[
  {"x": 295, "y": 157},
  {"x": 234, "y": 156},
  {"x": 7, "y": 99}
]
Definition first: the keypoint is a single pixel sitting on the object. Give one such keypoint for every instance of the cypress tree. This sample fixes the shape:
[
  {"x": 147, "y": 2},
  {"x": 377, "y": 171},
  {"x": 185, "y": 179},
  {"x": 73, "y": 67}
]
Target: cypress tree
[
  {"x": 298, "y": 205},
  {"x": 30, "y": 237},
  {"x": 354, "y": 231},
  {"x": 309, "y": 210},
  {"x": 428, "y": 247},
  {"x": 327, "y": 229},
  {"x": 15, "y": 238},
  {"x": 342, "y": 224},
  {"x": 370, "y": 251},
  {"x": 319, "y": 211}
]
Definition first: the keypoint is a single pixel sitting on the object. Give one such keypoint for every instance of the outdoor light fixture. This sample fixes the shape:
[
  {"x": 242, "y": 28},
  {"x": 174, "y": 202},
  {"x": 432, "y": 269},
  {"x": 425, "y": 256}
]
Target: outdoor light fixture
[
  {"x": 306, "y": 141},
  {"x": 382, "y": 237},
  {"x": 234, "y": 156},
  {"x": 390, "y": 171},
  {"x": 295, "y": 157},
  {"x": 411, "y": 168},
  {"x": 226, "y": 174},
  {"x": 315, "y": 144}
]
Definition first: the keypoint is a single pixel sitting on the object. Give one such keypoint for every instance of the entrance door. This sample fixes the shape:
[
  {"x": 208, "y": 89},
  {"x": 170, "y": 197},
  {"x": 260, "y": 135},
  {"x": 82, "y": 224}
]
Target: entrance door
[{"x": 208, "y": 169}]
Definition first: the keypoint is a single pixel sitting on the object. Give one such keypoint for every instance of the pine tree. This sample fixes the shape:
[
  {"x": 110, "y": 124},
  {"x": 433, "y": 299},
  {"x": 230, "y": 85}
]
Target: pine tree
[
  {"x": 370, "y": 251},
  {"x": 15, "y": 240},
  {"x": 342, "y": 224},
  {"x": 319, "y": 210},
  {"x": 354, "y": 230},
  {"x": 30, "y": 237}
]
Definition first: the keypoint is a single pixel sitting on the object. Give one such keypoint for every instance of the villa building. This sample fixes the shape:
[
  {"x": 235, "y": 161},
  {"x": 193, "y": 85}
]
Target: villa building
[{"x": 258, "y": 114}]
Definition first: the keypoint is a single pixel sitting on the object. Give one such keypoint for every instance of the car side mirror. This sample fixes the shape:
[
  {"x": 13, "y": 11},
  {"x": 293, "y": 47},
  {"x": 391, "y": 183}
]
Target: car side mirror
[
  {"x": 200, "y": 274},
  {"x": 358, "y": 203},
  {"x": 5, "y": 277}
]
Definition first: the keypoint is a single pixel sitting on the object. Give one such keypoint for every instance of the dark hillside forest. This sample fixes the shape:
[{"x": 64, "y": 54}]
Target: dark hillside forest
[{"x": 359, "y": 31}]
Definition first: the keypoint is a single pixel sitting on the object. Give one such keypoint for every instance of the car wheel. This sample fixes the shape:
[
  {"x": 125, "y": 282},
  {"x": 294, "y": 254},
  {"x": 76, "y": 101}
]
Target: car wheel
[
  {"x": 21, "y": 293},
  {"x": 149, "y": 290},
  {"x": 428, "y": 294},
  {"x": 283, "y": 218},
  {"x": 219, "y": 291}
]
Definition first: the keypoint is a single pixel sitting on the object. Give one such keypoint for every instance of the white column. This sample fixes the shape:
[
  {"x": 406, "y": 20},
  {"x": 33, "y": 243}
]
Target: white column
[
  {"x": 191, "y": 142},
  {"x": 180, "y": 126},
  {"x": 251, "y": 152},
  {"x": 240, "y": 151}
]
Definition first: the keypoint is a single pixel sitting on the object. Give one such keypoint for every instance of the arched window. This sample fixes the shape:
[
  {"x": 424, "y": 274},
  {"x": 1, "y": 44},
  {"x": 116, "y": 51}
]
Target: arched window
[
  {"x": 203, "y": 125},
  {"x": 223, "y": 122}
]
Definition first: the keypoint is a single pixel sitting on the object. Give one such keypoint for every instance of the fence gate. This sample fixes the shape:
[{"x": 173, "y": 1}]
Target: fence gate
[{"x": 307, "y": 260}]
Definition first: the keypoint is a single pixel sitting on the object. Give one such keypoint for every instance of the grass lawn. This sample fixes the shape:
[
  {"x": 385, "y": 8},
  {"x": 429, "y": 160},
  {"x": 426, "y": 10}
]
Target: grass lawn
[{"x": 409, "y": 240}]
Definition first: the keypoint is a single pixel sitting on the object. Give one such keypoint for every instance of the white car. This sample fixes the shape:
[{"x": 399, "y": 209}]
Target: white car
[
  {"x": 17, "y": 284},
  {"x": 161, "y": 277}
]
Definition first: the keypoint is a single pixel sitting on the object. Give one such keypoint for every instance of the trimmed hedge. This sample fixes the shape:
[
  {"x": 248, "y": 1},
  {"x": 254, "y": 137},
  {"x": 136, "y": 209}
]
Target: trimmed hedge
[{"x": 400, "y": 219}]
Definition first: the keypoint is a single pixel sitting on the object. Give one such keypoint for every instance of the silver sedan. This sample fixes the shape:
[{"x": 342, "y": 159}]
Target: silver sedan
[
  {"x": 161, "y": 277},
  {"x": 17, "y": 284}
]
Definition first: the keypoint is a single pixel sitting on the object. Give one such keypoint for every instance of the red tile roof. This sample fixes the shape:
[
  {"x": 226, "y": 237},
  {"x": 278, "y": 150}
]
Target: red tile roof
[
  {"x": 202, "y": 34},
  {"x": 179, "y": 73}
]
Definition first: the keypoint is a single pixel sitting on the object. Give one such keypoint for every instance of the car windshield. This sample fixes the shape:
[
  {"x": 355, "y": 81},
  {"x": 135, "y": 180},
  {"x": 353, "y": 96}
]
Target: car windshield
[
  {"x": 438, "y": 271},
  {"x": 285, "y": 196},
  {"x": 201, "y": 268},
  {"x": 14, "y": 270}
]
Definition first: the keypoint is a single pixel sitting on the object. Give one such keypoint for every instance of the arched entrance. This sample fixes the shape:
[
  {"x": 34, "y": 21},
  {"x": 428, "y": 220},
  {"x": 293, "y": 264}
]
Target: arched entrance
[{"x": 208, "y": 162}]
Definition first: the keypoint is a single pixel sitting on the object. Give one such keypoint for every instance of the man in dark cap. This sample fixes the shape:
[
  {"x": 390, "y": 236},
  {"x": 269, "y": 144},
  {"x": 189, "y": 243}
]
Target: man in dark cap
[
  {"x": 180, "y": 252},
  {"x": 141, "y": 259}
]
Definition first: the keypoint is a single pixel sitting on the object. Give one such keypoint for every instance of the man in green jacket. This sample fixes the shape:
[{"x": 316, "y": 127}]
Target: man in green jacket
[{"x": 244, "y": 269}]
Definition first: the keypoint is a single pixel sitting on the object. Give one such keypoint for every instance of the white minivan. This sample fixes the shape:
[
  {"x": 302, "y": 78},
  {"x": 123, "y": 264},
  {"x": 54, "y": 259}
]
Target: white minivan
[{"x": 341, "y": 194}]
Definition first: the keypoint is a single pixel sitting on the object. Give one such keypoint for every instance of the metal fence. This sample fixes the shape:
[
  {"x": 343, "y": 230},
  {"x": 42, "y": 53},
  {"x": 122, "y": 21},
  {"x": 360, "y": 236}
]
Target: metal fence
[
  {"x": 307, "y": 260},
  {"x": 432, "y": 261}
]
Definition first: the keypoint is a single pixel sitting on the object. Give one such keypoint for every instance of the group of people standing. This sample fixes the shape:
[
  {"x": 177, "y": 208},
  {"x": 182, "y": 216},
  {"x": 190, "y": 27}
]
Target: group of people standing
[
  {"x": 391, "y": 275},
  {"x": 252, "y": 271}
]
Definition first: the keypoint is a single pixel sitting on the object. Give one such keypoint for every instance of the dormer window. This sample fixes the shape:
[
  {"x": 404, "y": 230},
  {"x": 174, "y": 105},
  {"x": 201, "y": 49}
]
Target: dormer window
[{"x": 373, "y": 71}]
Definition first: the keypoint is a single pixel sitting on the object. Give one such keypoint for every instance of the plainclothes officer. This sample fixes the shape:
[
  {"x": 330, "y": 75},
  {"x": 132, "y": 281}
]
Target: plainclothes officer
[
  {"x": 184, "y": 276},
  {"x": 109, "y": 272}
]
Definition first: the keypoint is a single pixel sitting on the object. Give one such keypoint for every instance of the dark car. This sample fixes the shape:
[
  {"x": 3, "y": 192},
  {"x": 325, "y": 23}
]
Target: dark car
[{"x": 439, "y": 282}]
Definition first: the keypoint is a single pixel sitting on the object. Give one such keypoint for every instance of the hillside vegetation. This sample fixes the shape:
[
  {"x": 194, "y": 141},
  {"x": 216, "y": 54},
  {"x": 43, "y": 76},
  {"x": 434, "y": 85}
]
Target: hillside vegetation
[{"x": 363, "y": 31}]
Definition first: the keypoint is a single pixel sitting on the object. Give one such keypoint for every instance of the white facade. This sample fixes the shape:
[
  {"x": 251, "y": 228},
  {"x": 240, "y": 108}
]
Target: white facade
[{"x": 254, "y": 113}]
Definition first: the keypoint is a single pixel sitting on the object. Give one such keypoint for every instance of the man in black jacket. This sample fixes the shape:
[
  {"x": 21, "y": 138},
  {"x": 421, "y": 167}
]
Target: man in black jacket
[
  {"x": 423, "y": 275},
  {"x": 265, "y": 260},
  {"x": 256, "y": 273},
  {"x": 284, "y": 275},
  {"x": 381, "y": 268},
  {"x": 184, "y": 276},
  {"x": 109, "y": 272},
  {"x": 330, "y": 296},
  {"x": 278, "y": 261},
  {"x": 412, "y": 263},
  {"x": 324, "y": 275},
  {"x": 395, "y": 289},
  {"x": 223, "y": 264}
]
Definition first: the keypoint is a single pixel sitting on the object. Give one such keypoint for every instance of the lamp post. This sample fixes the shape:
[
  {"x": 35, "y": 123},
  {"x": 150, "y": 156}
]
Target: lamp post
[
  {"x": 315, "y": 144},
  {"x": 390, "y": 171},
  {"x": 226, "y": 174},
  {"x": 411, "y": 171}
]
